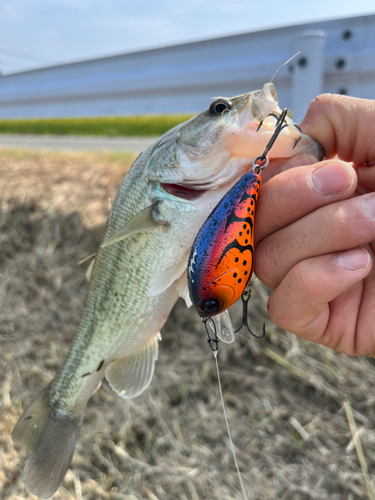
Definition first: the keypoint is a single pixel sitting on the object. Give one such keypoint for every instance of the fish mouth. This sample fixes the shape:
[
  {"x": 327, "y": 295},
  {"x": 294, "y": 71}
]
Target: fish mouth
[
  {"x": 237, "y": 157},
  {"x": 244, "y": 136},
  {"x": 185, "y": 192},
  {"x": 193, "y": 191},
  {"x": 212, "y": 151},
  {"x": 239, "y": 161}
]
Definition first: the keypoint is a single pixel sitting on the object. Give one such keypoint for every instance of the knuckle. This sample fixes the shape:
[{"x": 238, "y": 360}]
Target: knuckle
[
  {"x": 354, "y": 223},
  {"x": 335, "y": 221},
  {"x": 324, "y": 103},
  {"x": 345, "y": 222}
]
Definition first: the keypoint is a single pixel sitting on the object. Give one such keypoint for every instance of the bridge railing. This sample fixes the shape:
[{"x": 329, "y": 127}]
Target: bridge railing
[{"x": 335, "y": 56}]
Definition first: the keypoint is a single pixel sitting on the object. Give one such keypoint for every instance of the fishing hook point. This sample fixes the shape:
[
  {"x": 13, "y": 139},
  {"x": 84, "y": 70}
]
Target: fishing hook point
[
  {"x": 275, "y": 116},
  {"x": 245, "y": 297},
  {"x": 297, "y": 141}
]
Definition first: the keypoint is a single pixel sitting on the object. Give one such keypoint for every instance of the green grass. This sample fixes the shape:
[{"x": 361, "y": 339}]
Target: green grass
[{"x": 109, "y": 126}]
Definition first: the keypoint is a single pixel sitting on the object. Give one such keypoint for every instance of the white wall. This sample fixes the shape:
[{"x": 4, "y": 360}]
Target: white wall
[{"x": 183, "y": 78}]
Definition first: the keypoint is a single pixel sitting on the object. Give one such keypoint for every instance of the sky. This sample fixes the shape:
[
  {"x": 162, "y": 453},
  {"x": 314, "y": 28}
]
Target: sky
[{"x": 36, "y": 33}]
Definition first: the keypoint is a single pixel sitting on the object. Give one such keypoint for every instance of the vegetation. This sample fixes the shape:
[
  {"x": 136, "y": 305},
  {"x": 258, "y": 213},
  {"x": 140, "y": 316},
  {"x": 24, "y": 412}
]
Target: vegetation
[
  {"x": 107, "y": 125},
  {"x": 302, "y": 417}
]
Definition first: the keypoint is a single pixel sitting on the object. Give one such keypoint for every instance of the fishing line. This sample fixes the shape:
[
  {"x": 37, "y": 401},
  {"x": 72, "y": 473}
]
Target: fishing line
[
  {"x": 227, "y": 423},
  {"x": 288, "y": 61}
]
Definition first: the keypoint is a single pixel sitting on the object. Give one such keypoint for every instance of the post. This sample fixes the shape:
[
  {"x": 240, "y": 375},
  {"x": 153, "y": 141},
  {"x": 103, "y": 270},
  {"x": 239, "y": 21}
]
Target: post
[{"x": 308, "y": 71}]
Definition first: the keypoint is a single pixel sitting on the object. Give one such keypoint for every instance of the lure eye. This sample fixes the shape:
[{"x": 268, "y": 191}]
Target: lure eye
[
  {"x": 210, "y": 306},
  {"x": 219, "y": 106}
]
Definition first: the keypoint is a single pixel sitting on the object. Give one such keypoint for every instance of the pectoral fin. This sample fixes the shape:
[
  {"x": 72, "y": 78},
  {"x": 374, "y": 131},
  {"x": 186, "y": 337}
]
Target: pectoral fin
[
  {"x": 143, "y": 221},
  {"x": 131, "y": 375},
  {"x": 183, "y": 290},
  {"x": 164, "y": 279}
]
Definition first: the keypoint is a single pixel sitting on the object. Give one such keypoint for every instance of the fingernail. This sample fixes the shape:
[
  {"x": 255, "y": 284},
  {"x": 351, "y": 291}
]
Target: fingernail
[
  {"x": 332, "y": 178},
  {"x": 354, "y": 259},
  {"x": 369, "y": 205}
]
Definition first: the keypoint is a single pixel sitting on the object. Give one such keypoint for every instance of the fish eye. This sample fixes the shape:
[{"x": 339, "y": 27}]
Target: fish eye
[
  {"x": 219, "y": 106},
  {"x": 210, "y": 306}
]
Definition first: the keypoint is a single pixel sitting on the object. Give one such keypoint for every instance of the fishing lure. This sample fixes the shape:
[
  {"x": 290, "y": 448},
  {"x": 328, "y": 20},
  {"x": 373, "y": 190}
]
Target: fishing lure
[{"x": 221, "y": 260}]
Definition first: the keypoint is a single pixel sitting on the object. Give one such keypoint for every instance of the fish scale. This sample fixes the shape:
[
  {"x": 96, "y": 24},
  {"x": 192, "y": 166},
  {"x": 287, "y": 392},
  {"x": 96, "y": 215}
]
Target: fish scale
[{"x": 106, "y": 319}]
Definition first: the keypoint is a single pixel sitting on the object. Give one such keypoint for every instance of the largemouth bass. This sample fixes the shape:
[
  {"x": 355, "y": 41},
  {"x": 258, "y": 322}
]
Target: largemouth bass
[{"x": 140, "y": 269}]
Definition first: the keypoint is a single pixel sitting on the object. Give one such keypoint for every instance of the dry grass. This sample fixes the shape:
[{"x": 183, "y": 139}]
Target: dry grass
[
  {"x": 63, "y": 182},
  {"x": 295, "y": 440}
]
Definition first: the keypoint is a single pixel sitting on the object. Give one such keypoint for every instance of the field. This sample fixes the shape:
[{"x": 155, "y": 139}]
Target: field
[
  {"x": 302, "y": 417},
  {"x": 107, "y": 125}
]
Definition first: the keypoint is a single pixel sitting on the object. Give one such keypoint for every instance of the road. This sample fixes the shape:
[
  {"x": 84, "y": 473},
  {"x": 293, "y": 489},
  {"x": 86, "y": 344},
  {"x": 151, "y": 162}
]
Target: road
[{"x": 75, "y": 143}]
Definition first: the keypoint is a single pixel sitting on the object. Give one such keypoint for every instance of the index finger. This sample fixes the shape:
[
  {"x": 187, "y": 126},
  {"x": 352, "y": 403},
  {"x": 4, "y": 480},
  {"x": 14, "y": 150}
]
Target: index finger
[{"x": 344, "y": 126}]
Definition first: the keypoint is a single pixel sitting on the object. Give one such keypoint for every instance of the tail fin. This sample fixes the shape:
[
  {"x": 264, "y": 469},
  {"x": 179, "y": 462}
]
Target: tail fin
[{"x": 50, "y": 437}]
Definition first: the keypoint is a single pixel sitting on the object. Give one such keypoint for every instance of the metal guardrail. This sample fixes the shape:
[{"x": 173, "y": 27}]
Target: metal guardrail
[{"x": 336, "y": 56}]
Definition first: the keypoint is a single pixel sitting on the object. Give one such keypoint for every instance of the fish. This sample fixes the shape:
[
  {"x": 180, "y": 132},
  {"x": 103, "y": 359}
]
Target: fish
[{"x": 140, "y": 269}]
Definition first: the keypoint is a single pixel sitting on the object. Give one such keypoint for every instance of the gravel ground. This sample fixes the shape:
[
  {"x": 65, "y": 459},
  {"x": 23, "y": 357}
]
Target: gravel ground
[{"x": 302, "y": 417}]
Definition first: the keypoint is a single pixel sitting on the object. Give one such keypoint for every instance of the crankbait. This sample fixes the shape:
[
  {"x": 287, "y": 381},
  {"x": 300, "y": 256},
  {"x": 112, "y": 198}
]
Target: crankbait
[{"x": 221, "y": 260}]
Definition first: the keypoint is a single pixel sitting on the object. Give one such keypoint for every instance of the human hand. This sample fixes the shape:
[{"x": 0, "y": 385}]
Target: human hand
[{"x": 315, "y": 232}]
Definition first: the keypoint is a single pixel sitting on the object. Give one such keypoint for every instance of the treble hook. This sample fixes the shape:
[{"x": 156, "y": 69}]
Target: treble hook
[
  {"x": 245, "y": 297},
  {"x": 277, "y": 120},
  {"x": 278, "y": 128},
  {"x": 215, "y": 340}
]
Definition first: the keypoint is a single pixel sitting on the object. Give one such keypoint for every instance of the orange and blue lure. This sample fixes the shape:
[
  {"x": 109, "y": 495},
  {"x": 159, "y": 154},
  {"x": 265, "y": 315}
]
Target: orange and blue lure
[
  {"x": 221, "y": 264},
  {"x": 221, "y": 260}
]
